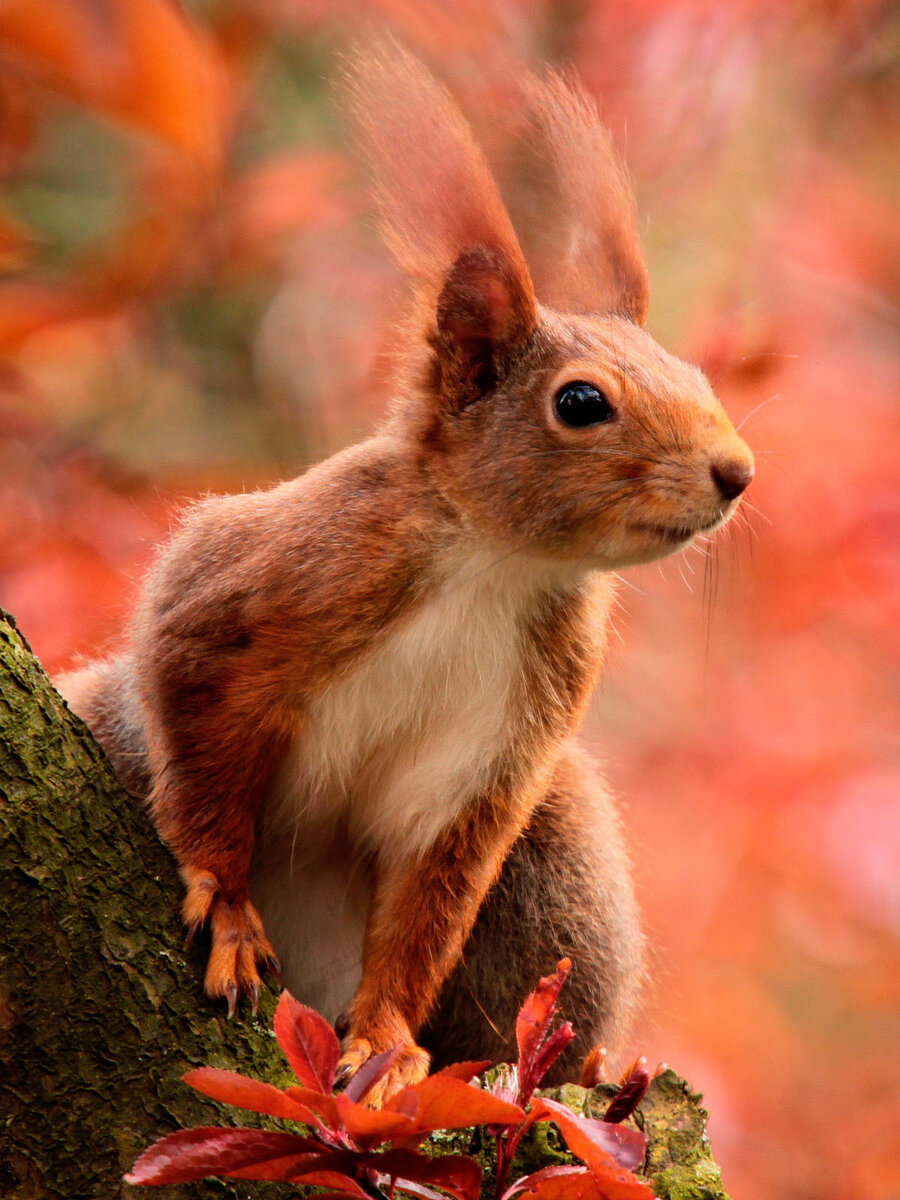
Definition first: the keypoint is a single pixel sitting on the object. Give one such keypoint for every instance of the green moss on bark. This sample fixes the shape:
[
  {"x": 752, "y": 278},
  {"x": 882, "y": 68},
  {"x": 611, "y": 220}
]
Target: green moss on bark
[{"x": 679, "y": 1159}]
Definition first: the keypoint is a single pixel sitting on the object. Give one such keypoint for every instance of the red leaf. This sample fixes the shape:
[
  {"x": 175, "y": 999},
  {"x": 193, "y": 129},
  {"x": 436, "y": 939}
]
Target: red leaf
[
  {"x": 629, "y": 1095},
  {"x": 300, "y": 1166},
  {"x": 370, "y": 1072},
  {"x": 251, "y": 1094},
  {"x": 600, "y": 1145},
  {"x": 195, "y": 1153},
  {"x": 550, "y": 1052},
  {"x": 455, "y": 1173},
  {"x": 313, "y": 1170},
  {"x": 359, "y": 1194},
  {"x": 613, "y": 1184},
  {"x": 466, "y": 1071},
  {"x": 309, "y": 1043},
  {"x": 142, "y": 62},
  {"x": 529, "y": 1181},
  {"x": 420, "y": 1189},
  {"x": 594, "y": 1067},
  {"x": 444, "y": 1102},
  {"x": 370, "y": 1126},
  {"x": 533, "y": 1022},
  {"x": 331, "y": 1179},
  {"x": 341, "y": 1195},
  {"x": 333, "y": 1169},
  {"x": 320, "y": 1109}
]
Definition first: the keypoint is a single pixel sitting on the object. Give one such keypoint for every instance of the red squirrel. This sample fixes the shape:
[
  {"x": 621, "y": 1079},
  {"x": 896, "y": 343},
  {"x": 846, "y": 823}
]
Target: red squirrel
[{"x": 352, "y": 700}]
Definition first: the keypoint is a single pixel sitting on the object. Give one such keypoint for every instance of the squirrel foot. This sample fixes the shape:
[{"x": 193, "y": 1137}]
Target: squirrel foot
[
  {"x": 239, "y": 942},
  {"x": 410, "y": 1066}
]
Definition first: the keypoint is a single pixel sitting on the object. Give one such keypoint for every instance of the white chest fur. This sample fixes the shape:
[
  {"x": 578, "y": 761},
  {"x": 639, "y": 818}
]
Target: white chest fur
[
  {"x": 389, "y": 753},
  {"x": 394, "y": 746}
]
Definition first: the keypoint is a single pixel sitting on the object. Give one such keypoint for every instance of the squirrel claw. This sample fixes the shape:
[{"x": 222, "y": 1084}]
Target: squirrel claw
[
  {"x": 239, "y": 948},
  {"x": 231, "y": 995},
  {"x": 342, "y": 1075},
  {"x": 191, "y": 929}
]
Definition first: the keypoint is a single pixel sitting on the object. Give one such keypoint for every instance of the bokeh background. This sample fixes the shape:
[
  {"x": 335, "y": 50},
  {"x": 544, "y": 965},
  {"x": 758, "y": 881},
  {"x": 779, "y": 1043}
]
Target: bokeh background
[{"x": 192, "y": 298}]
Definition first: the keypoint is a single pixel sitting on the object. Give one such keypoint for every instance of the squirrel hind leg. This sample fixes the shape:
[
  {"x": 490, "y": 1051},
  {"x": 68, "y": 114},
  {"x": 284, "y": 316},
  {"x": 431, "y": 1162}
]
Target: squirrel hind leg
[{"x": 565, "y": 891}]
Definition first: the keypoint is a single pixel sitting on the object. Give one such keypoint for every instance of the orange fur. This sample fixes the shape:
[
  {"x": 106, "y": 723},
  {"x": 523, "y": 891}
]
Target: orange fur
[{"x": 310, "y": 667}]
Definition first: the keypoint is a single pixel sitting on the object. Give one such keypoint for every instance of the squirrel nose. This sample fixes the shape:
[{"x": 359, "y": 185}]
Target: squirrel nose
[{"x": 731, "y": 477}]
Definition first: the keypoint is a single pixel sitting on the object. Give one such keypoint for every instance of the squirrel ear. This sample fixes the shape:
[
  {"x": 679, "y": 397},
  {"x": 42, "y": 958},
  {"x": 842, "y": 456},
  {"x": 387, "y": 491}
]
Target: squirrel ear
[
  {"x": 484, "y": 310},
  {"x": 590, "y": 260},
  {"x": 441, "y": 213}
]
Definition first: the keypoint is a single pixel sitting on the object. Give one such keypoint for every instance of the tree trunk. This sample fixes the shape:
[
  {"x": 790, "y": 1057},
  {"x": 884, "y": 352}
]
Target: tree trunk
[{"x": 101, "y": 1007}]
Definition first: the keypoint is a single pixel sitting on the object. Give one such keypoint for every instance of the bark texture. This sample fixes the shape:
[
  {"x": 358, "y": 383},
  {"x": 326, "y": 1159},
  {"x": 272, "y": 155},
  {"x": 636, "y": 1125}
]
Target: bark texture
[{"x": 102, "y": 1009}]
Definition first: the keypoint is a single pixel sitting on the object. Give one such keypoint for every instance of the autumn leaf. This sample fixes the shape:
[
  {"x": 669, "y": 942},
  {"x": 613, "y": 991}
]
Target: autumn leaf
[
  {"x": 443, "y": 1102},
  {"x": 195, "y": 1153},
  {"x": 465, "y": 1070},
  {"x": 454, "y": 1173},
  {"x": 532, "y": 1025},
  {"x": 141, "y": 62},
  {"x": 595, "y": 1142},
  {"x": 373, "y": 1070},
  {"x": 309, "y": 1043},
  {"x": 578, "y": 1184},
  {"x": 250, "y": 1094},
  {"x": 633, "y": 1089}
]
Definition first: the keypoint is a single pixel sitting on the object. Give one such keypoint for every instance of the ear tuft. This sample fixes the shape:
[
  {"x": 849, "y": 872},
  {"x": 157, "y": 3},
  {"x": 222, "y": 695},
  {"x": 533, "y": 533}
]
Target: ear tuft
[
  {"x": 591, "y": 259},
  {"x": 436, "y": 194}
]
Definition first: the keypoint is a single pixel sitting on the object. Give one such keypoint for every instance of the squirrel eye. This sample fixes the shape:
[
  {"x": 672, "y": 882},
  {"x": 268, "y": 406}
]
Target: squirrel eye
[{"x": 579, "y": 404}]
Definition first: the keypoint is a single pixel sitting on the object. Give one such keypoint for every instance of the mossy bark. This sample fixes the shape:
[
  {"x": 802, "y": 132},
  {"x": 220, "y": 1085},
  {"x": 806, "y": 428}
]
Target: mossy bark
[
  {"x": 679, "y": 1163},
  {"x": 101, "y": 1008}
]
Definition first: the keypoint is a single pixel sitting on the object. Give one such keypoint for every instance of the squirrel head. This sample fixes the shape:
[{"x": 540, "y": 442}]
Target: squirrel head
[{"x": 557, "y": 425}]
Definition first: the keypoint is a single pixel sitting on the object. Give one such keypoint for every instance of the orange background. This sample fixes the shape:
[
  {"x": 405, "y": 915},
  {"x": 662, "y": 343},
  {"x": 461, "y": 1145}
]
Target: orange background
[{"x": 192, "y": 298}]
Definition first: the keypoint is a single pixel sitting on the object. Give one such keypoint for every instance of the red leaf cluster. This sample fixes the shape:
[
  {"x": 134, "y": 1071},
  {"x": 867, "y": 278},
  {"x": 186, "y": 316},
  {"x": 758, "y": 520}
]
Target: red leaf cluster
[
  {"x": 357, "y": 1151},
  {"x": 342, "y": 1149}
]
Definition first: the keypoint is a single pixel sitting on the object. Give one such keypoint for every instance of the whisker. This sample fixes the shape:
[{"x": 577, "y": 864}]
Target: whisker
[
  {"x": 745, "y": 358},
  {"x": 753, "y": 411},
  {"x": 628, "y": 583},
  {"x": 684, "y": 578},
  {"x": 758, "y": 511},
  {"x": 586, "y": 451}
]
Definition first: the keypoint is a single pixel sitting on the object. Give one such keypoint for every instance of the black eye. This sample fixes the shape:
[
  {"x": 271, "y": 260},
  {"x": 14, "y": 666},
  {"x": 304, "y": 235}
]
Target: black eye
[{"x": 579, "y": 404}]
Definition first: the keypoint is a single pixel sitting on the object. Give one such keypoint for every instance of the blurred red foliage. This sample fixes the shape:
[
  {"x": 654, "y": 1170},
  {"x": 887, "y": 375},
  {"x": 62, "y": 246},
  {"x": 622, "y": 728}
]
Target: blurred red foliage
[{"x": 189, "y": 299}]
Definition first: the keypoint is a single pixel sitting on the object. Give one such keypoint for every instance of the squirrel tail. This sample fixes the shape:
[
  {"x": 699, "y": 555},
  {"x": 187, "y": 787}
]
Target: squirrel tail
[{"x": 105, "y": 695}]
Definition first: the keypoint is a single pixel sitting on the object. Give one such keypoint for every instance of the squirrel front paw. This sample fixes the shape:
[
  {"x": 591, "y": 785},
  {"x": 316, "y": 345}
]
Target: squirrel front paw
[
  {"x": 409, "y": 1067},
  {"x": 239, "y": 943}
]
